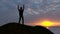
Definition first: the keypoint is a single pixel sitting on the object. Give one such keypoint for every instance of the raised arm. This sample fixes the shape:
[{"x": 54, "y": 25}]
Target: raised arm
[
  {"x": 18, "y": 7},
  {"x": 23, "y": 7}
]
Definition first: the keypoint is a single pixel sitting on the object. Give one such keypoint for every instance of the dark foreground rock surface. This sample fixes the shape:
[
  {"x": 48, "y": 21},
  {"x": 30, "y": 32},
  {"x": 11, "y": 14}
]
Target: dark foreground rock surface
[{"x": 16, "y": 28}]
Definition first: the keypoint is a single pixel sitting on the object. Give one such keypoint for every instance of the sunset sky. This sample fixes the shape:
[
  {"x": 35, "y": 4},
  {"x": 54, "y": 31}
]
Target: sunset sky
[{"x": 36, "y": 11}]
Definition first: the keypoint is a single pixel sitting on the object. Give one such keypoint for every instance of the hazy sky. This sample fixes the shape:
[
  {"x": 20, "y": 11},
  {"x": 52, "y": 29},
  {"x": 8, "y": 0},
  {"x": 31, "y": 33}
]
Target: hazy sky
[{"x": 35, "y": 10}]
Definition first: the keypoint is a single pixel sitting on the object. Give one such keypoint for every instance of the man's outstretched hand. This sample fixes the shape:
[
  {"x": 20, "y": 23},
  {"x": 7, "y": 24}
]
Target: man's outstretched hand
[
  {"x": 18, "y": 7},
  {"x": 23, "y": 6}
]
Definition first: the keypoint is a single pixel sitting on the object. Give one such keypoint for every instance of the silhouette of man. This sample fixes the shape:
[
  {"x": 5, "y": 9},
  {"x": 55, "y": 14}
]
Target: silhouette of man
[{"x": 21, "y": 10}]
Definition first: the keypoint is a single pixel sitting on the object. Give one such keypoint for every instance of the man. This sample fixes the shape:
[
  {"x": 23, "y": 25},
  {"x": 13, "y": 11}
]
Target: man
[{"x": 21, "y": 10}]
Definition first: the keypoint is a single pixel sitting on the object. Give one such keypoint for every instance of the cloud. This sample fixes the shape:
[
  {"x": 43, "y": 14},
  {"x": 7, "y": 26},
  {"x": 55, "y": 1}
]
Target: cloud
[{"x": 34, "y": 9}]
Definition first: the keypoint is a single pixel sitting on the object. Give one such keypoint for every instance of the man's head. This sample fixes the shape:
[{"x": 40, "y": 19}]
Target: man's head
[{"x": 20, "y": 7}]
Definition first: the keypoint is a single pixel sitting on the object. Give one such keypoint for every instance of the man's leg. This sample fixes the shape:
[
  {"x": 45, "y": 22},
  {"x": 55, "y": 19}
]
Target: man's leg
[
  {"x": 22, "y": 20},
  {"x": 19, "y": 19}
]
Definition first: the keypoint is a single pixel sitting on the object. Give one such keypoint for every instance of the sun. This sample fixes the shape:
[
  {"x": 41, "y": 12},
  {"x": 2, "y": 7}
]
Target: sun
[{"x": 46, "y": 23}]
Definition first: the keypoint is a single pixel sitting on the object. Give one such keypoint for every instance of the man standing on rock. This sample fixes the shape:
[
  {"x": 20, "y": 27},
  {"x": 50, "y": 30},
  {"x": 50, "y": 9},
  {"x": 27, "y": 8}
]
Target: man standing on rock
[{"x": 21, "y": 10}]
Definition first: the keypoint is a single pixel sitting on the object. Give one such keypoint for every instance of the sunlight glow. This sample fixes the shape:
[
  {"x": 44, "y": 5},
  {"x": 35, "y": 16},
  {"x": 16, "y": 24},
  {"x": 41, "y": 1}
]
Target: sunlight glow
[{"x": 46, "y": 23}]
